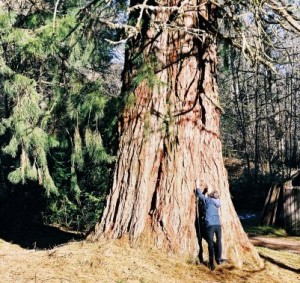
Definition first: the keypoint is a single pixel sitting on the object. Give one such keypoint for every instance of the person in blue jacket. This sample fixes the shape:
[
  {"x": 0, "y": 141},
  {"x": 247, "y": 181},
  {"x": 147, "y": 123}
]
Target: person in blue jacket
[{"x": 212, "y": 204}]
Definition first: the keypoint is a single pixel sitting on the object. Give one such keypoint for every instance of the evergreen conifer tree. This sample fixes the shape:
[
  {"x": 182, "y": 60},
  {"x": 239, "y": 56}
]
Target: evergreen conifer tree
[{"x": 53, "y": 57}]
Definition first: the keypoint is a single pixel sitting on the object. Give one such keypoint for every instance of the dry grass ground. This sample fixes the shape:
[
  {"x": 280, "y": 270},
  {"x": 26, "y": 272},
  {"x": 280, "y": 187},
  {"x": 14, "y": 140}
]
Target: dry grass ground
[{"x": 117, "y": 262}]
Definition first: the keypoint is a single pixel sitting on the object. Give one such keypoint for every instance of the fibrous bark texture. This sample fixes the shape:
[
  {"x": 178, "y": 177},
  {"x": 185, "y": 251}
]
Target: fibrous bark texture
[{"x": 169, "y": 138}]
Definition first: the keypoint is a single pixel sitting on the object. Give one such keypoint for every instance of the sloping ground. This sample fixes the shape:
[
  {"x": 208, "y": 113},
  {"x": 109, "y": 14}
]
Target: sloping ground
[{"x": 118, "y": 262}]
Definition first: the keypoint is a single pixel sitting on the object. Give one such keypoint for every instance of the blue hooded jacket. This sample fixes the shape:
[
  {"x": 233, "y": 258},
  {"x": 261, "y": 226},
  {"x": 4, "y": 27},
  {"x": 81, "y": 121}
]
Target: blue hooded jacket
[{"x": 211, "y": 206}]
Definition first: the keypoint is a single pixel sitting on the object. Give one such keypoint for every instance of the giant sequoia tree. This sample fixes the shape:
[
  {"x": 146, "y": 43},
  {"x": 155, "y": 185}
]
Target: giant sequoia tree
[
  {"x": 169, "y": 130},
  {"x": 170, "y": 135}
]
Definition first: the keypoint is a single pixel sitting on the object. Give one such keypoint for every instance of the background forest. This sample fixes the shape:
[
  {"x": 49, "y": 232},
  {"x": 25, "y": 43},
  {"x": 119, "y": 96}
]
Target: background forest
[{"x": 60, "y": 74}]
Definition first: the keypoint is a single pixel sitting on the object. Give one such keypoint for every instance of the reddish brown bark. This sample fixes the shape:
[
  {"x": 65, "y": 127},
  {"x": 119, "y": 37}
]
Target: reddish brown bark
[{"x": 169, "y": 138}]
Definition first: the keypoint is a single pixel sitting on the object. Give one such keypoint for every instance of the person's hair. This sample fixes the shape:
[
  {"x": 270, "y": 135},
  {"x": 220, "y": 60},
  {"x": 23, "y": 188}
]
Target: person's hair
[{"x": 214, "y": 194}]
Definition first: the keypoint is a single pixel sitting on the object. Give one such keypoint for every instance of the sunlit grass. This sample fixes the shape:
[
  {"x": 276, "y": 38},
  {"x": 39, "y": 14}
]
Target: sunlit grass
[{"x": 265, "y": 231}]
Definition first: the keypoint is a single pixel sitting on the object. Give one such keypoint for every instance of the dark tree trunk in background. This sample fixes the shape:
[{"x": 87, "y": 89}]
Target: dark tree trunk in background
[
  {"x": 240, "y": 106},
  {"x": 170, "y": 137}
]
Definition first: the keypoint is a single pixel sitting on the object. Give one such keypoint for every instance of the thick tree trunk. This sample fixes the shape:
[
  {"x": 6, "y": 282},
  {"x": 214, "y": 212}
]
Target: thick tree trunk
[{"x": 170, "y": 137}]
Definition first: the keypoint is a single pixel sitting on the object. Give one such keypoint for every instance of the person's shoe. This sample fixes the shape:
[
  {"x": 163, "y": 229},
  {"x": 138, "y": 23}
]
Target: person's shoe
[
  {"x": 211, "y": 267},
  {"x": 221, "y": 261}
]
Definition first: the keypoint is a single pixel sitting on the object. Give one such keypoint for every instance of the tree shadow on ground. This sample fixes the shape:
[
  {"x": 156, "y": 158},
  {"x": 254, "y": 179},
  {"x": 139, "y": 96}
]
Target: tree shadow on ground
[
  {"x": 35, "y": 236},
  {"x": 21, "y": 207},
  {"x": 280, "y": 264}
]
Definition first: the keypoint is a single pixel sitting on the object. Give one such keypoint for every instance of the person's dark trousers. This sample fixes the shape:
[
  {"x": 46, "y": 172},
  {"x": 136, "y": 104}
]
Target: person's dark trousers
[{"x": 211, "y": 231}]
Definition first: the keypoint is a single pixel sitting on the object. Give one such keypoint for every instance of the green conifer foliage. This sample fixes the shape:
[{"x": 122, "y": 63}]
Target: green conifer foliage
[{"x": 51, "y": 73}]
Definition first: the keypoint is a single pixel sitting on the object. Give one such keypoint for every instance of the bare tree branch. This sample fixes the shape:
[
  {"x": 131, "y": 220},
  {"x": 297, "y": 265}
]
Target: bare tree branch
[
  {"x": 282, "y": 11},
  {"x": 54, "y": 15}
]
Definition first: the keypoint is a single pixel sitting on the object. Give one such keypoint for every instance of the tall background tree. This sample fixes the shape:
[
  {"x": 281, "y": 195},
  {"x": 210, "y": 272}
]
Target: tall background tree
[{"x": 259, "y": 126}]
